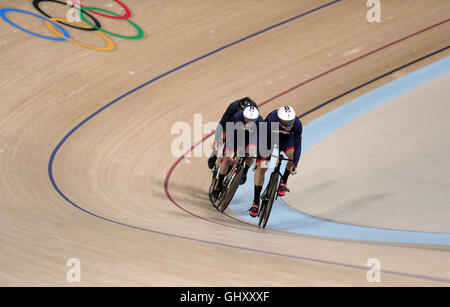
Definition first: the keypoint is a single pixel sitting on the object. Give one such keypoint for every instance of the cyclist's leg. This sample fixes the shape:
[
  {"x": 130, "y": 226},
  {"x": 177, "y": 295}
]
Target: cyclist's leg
[
  {"x": 212, "y": 159},
  {"x": 217, "y": 152},
  {"x": 290, "y": 154},
  {"x": 219, "y": 140},
  {"x": 226, "y": 162},
  {"x": 260, "y": 171},
  {"x": 286, "y": 146},
  {"x": 251, "y": 151},
  {"x": 262, "y": 164}
]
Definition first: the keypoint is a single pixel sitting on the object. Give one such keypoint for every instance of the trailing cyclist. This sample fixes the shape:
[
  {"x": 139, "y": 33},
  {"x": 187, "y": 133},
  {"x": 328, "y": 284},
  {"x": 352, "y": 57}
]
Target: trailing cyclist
[
  {"x": 233, "y": 108},
  {"x": 241, "y": 136}
]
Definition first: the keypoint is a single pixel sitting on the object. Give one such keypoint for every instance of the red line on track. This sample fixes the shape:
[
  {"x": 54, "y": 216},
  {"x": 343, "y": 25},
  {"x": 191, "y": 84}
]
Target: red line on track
[{"x": 169, "y": 174}]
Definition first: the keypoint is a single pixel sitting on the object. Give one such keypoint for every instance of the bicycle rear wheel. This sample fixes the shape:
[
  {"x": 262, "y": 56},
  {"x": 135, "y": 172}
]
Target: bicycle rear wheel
[{"x": 232, "y": 187}]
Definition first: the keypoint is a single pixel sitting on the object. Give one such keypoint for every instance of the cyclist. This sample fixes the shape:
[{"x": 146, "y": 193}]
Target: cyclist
[
  {"x": 234, "y": 107},
  {"x": 290, "y": 142},
  {"x": 239, "y": 141}
]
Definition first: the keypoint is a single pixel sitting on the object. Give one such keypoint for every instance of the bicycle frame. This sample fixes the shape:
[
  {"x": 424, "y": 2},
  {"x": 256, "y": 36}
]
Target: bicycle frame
[{"x": 271, "y": 191}]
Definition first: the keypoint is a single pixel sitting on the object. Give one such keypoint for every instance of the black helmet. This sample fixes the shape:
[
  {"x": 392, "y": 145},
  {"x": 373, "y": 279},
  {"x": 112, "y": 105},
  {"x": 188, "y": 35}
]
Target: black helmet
[{"x": 244, "y": 103}]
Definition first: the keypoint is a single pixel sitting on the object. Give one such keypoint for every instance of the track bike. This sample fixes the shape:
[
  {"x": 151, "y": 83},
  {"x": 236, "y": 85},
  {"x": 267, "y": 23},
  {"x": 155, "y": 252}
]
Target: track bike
[
  {"x": 271, "y": 192},
  {"x": 230, "y": 182}
]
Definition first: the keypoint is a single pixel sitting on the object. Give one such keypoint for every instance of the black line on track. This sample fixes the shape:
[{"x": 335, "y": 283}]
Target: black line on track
[{"x": 372, "y": 81}]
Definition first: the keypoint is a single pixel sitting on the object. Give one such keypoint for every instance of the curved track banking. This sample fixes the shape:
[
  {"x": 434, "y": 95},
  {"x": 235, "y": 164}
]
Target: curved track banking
[
  {"x": 166, "y": 181},
  {"x": 55, "y": 151}
]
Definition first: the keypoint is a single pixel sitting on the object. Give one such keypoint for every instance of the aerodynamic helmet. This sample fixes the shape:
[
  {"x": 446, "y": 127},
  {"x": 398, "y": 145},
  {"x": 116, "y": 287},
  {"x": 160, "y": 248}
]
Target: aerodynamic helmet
[
  {"x": 251, "y": 114},
  {"x": 244, "y": 103},
  {"x": 286, "y": 115}
]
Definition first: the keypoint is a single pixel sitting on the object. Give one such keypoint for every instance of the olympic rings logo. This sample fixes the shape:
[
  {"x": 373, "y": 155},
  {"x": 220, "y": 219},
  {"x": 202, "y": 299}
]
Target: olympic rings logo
[{"x": 54, "y": 24}]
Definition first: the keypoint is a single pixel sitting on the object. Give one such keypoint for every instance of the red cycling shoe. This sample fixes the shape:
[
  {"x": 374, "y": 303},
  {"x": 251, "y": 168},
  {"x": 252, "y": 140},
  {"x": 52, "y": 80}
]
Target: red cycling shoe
[
  {"x": 254, "y": 210},
  {"x": 282, "y": 190}
]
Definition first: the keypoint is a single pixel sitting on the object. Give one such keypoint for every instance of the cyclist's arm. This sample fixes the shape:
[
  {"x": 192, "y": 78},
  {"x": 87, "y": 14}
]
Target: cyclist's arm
[
  {"x": 218, "y": 134},
  {"x": 220, "y": 130},
  {"x": 297, "y": 148},
  {"x": 228, "y": 114},
  {"x": 264, "y": 140},
  {"x": 298, "y": 131}
]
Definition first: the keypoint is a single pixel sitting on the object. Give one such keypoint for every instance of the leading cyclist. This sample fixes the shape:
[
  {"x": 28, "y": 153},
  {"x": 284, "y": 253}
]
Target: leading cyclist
[{"x": 290, "y": 142}]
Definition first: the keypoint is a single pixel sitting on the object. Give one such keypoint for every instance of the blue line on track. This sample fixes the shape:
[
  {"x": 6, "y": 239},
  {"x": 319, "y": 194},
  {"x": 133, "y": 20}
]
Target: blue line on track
[{"x": 64, "y": 139}]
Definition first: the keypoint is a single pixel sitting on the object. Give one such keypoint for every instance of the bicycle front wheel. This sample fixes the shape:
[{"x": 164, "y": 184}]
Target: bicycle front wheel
[
  {"x": 231, "y": 190},
  {"x": 272, "y": 190}
]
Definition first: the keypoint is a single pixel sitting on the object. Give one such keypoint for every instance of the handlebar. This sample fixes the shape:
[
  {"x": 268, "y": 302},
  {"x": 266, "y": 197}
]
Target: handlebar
[
  {"x": 245, "y": 129},
  {"x": 282, "y": 158},
  {"x": 281, "y": 132}
]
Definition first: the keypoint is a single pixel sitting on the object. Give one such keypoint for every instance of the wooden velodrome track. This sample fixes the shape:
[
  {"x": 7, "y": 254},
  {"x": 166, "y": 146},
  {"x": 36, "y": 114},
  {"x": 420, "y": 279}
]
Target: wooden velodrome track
[{"x": 110, "y": 193}]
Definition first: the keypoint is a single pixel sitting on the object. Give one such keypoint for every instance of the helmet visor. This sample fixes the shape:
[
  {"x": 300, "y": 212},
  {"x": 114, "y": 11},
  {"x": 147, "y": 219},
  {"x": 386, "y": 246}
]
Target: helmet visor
[{"x": 287, "y": 123}]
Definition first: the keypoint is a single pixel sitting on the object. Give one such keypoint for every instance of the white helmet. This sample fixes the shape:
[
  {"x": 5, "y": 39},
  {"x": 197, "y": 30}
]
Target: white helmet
[
  {"x": 286, "y": 115},
  {"x": 251, "y": 114}
]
